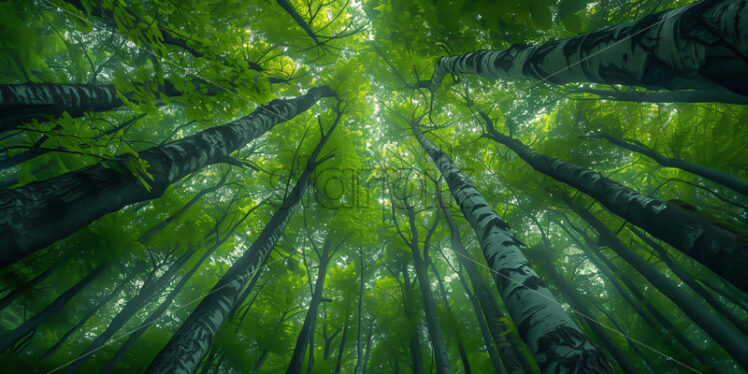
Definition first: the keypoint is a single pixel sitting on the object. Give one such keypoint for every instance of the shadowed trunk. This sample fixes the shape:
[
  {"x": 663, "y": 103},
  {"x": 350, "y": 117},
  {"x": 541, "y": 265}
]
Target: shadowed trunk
[
  {"x": 414, "y": 342},
  {"x": 555, "y": 341},
  {"x": 692, "y": 234},
  {"x": 191, "y": 341},
  {"x": 80, "y": 197},
  {"x": 672, "y": 50}
]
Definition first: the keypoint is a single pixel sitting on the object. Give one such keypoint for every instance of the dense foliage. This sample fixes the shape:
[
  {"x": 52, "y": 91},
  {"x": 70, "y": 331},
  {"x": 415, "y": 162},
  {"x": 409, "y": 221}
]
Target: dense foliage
[{"x": 343, "y": 242}]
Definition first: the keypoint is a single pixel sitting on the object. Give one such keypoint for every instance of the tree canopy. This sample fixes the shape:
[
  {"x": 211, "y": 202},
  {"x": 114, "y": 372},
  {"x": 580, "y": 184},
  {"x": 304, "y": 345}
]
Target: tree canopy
[{"x": 337, "y": 186}]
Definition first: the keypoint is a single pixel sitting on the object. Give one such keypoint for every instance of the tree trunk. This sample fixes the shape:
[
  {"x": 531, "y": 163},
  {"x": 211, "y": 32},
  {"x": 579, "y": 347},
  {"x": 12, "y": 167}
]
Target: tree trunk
[
  {"x": 13, "y": 295},
  {"x": 432, "y": 322},
  {"x": 90, "y": 313},
  {"x": 80, "y": 197},
  {"x": 690, "y": 233},
  {"x": 632, "y": 343},
  {"x": 450, "y": 313},
  {"x": 414, "y": 343},
  {"x": 10, "y": 338},
  {"x": 514, "y": 361},
  {"x": 359, "y": 333},
  {"x": 297, "y": 358},
  {"x": 149, "y": 290},
  {"x": 368, "y": 350},
  {"x": 697, "y": 46},
  {"x": 556, "y": 342},
  {"x": 609, "y": 269},
  {"x": 691, "y": 96},
  {"x": 724, "y": 335},
  {"x": 191, "y": 341},
  {"x": 728, "y": 180},
  {"x": 156, "y": 314},
  {"x": 579, "y": 305},
  {"x": 688, "y": 280},
  {"x": 341, "y": 348}
]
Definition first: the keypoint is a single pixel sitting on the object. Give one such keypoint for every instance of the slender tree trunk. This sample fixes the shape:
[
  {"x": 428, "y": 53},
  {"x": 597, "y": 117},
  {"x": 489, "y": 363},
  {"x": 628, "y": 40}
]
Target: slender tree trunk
[
  {"x": 728, "y": 180},
  {"x": 740, "y": 302},
  {"x": 675, "y": 49},
  {"x": 492, "y": 354},
  {"x": 432, "y": 322},
  {"x": 632, "y": 344},
  {"x": 359, "y": 333},
  {"x": 310, "y": 364},
  {"x": 556, "y": 342},
  {"x": 288, "y": 7},
  {"x": 341, "y": 348},
  {"x": 692, "y": 234},
  {"x": 13, "y": 295},
  {"x": 365, "y": 364},
  {"x": 90, "y": 313},
  {"x": 297, "y": 358},
  {"x": 80, "y": 197},
  {"x": 134, "y": 305},
  {"x": 156, "y": 314},
  {"x": 665, "y": 327},
  {"x": 414, "y": 343},
  {"x": 10, "y": 338},
  {"x": 687, "y": 279},
  {"x": 724, "y": 335},
  {"x": 450, "y": 313},
  {"x": 513, "y": 360},
  {"x": 191, "y": 341},
  {"x": 577, "y": 302}
]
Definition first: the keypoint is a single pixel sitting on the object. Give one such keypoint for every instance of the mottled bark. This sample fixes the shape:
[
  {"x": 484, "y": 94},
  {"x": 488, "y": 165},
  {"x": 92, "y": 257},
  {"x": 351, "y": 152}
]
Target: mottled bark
[
  {"x": 698, "y": 46},
  {"x": 729, "y": 339},
  {"x": 513, "y": 360},
  {"x": 721, "y": 308},
  {"x": 719, "y": 249},
  {"x": 149, "y": 290},
  {"x": 188, "y": 345},
  {"x": 7, "y": 340},
  {"x": 556, "y": 342},
  {"x": 307, "y": 329},
  {"x": 728, "y": 180},
  {"x": 37, "y": 214}
]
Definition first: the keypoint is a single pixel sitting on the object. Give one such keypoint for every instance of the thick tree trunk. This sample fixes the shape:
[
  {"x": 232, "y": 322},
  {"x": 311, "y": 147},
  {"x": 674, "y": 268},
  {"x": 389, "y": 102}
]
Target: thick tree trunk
[
  {"x": 660, "y": 322},
  {"x": 450, "y": 313},
  {"x": 149, "y": 290},
  {"x": 690, "y": 96},
  {"x": 514, "y": 361},
  {"x": 156, "y": 314},
  {"x": 693, "y": 284},
  {"x": 698, "y": 46},
  {"x": 90, "y": 313},
  {"x": 307, "y": 329},
  {"x": 721, "y": 250},
  {"x": 191, "y": 341},
  {"x": 556, "y": 342},
  {"x": 10, "y": 338},
  {"x": 730, "y": 340},
  {"x": 728, "y": 180},
  {"x": 37, "y": 214}
]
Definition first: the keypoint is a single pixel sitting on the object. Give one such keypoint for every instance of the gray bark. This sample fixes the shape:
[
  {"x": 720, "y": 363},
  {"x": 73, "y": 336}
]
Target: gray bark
[
  {"x": 721, "y": 250},
  {"x": 728, "y": 180},
  {"x": 730, "y": 340},
  {"x": 556, "y": 342},
  {"x": 698, "y": 46},
  {"x": 690, "y": 96},
  {"x": 78, "y": 198},
  {"x": 190, "y": 343},
  {"x": 414, "y": 342}
]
